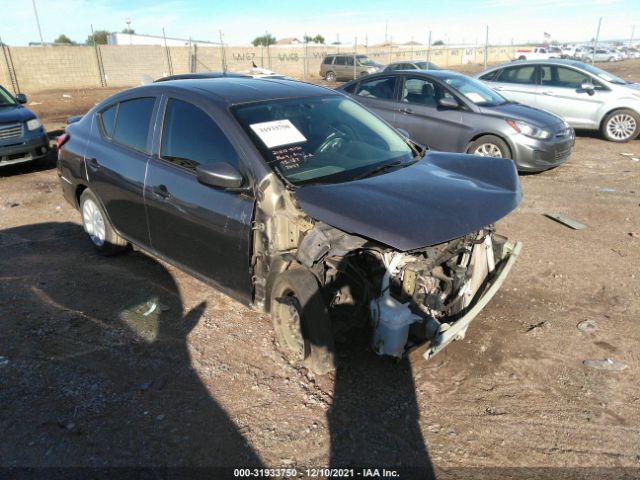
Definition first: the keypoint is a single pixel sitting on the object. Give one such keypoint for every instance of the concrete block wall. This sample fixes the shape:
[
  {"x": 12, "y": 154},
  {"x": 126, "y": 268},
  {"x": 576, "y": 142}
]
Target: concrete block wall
[{"x": 60, "y": 67}]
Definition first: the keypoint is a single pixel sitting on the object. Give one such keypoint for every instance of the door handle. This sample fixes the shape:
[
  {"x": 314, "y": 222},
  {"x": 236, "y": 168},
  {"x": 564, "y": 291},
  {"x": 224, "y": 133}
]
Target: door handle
[
  {"x": 161, "y": 191},
  {"x": 549, "y": 92},
  {"x": 93, "y": 163},
  {"x": 408, "y": 111},
  {"x": 498, "y": 88}
]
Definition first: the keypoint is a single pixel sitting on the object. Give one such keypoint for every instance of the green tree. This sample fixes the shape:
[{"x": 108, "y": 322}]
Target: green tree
[
  {"x": 99, "y": 37},
  {"x": 62, "y": 38},
  {"x": 438, "y": 42},
  {"x": 264, "y": 40},
  {"x": 130, "y": 31},
  {"x": 318, "y": 39}
]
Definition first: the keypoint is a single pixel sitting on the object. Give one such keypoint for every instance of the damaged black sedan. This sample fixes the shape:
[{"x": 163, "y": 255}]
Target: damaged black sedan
[{"x": 297, "y": 201}]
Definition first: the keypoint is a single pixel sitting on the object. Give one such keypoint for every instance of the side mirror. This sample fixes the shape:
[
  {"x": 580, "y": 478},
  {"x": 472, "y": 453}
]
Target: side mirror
[
  {"x": 447, "y": 102},
  {"x": 588, "y": 87},
  {"x": 219, "y": 175},
  {"x": 21, "y": 98},
  {"x": 404, "y": 133}
]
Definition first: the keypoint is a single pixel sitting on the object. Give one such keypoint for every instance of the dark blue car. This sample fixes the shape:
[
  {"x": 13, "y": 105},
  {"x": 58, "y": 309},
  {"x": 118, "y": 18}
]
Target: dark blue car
[{"x": 22, "y": 136}]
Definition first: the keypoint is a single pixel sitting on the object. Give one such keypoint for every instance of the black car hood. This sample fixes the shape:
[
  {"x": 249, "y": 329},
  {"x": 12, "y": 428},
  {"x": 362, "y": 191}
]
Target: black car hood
[
  {"x": 15, "y": 113},
  {"x": 441, "y": 197},
  {"x": 516, "y": 111}
]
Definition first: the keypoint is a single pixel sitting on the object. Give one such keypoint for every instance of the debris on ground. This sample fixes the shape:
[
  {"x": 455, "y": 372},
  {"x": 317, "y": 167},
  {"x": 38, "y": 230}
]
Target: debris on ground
[
  {"x": 558, "y": 217},
  {"x": 627, "y": 154},
  {"x": 4, "y": 361},
  {"x": 587, "y": 326},
  {"x": 606, "y": 190},
  {"x": 634, "y": 234},
  {"x": 606, "y": 364}
]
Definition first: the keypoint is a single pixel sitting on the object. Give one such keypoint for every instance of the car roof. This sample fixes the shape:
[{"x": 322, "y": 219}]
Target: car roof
[
  {"x": 234, "y": 90},
  {"x": 199, "y": 75},
  {"x": 551, "y": 61}
]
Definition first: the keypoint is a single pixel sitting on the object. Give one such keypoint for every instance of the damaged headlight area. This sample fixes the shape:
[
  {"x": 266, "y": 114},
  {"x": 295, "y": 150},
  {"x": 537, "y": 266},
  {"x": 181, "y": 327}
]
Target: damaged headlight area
[{"x": 410, "y": 298}]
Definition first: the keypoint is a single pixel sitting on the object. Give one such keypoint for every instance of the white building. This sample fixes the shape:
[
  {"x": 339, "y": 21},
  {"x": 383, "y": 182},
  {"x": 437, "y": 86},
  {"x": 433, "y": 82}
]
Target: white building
[{"x": 118, "y": 38}]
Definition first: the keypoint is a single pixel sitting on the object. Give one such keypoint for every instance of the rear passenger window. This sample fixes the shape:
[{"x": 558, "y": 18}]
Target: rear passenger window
[
  {"x": 191, "y": 138},
  {"x": 132, "y": 124},
  {"x": 108, "y": 119},
  {"x": 489, "y": 76},
  {"x": 328, "y": 60},
  {"x": 340, "y": 61},
  {"x": 382, "y": 88},
  {"x": 523, "y": 75}
]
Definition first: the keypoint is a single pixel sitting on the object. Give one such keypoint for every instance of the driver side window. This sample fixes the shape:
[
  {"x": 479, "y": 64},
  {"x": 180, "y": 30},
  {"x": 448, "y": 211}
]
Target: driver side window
[{"x": 191, "y": 138}]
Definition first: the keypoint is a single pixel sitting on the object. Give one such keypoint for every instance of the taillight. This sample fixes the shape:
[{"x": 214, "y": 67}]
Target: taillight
[{"x": 62, "y": 139}]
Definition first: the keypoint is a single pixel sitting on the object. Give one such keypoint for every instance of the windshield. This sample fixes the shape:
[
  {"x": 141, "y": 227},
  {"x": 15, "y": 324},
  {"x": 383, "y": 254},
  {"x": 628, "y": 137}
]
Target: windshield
[
  {"x": 598, "y": 72},
  {"x": 474, "y": 90},
  {"x": 321, "y": 139},
  {"x": 426, "y": 66},
  {"x": 5, "y": 98},
  {"x": 364, "y": 60}
]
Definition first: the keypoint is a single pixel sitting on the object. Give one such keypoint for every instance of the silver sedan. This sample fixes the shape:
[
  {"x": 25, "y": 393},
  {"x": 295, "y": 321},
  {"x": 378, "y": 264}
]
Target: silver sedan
[{"x": 586, "y": 96}]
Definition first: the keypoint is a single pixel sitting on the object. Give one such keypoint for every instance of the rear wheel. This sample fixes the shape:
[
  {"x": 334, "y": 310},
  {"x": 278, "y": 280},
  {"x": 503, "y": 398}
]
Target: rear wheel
[
  {"x": 98, "y": 227},
  {"x": 489, "y": 146},
  {"x": 330, "y": 77},
  {"x": 301, "y": 322},
  {"x": 621, "y": 126}
]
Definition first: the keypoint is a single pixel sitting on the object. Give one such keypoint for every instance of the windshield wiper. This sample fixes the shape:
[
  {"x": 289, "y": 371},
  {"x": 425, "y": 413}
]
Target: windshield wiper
[{"x": 382, "y": 168}]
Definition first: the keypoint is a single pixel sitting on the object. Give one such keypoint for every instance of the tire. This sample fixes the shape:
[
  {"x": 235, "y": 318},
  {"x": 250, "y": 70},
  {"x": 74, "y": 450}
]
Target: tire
[
  {"x": 330, "y": 76},
  {"x": 621, "y": 126},
  {"x": 491, "y": 145},
  {"x": 97, "y": 226},
  {"x": 611, "y": 59},
  {"x": 301, "y": 321}
]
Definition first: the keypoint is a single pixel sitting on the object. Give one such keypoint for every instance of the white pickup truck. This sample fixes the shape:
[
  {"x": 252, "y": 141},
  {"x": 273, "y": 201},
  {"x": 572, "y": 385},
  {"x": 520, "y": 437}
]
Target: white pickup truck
[{"x": 534, "y": 53}]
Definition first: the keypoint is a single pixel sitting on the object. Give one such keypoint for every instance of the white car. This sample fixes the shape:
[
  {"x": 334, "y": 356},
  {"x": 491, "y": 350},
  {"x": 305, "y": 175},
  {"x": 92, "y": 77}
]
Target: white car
[{"x": 534, "y": 53}]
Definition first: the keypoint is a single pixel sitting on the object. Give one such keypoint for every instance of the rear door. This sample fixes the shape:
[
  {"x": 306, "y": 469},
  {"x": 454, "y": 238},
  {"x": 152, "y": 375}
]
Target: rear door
[
  {"x": 116, "y": 162},
  {"x": 517, "y": 83},
  {"x": 561, "y": 93},
  {"x": 379, "y": 95},
  {"x": 202, "y": 228},
  {"x": 419, "y": 114}
]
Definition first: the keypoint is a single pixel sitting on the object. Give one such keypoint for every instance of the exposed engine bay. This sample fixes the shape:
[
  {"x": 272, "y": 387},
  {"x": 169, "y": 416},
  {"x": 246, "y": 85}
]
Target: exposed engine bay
[{"x": 408, "y": 297}]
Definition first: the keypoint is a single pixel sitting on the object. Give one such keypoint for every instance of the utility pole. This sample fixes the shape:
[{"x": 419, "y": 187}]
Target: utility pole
[
  {"x": 429, "y": 49},
  {"x": 355, "y": 51},
  {"x": 486, "y": 48},
  {"x": 386, "y": 30},
  {"x": 595, "y": 43},
  {"x": 224, "y": 58},
  {"x": 633, "y": 30},
  {"x": 35, "y": 10}
]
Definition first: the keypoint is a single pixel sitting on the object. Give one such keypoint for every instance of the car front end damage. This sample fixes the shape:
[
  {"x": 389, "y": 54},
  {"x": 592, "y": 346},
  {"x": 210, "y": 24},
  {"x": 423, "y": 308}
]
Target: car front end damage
[{"x": 412, "y": 297}]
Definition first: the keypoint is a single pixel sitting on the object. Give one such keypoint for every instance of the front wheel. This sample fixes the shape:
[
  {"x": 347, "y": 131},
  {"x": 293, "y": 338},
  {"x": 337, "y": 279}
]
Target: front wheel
[
  {"x": 301, "y": 321},
  {"x": 621, "y": 126},
  {"x": 489, "y": 146},
  {"x": 330, "y": 77},
  {"x": 98, "y": 227}
]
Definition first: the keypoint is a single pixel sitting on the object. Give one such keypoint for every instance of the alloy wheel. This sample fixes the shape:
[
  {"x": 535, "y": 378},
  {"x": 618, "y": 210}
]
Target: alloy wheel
[
  {"x": 93, "y": 222},
  {"x": 621, "y": 126},
  {"x": 488, "y": 150}
]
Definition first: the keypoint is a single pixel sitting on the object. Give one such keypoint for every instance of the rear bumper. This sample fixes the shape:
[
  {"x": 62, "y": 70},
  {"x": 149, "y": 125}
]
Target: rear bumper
[
  {"x": 25, "y": 149},
  {"x": 533, "y": 155},
  {"x": 459, "y": 328}
]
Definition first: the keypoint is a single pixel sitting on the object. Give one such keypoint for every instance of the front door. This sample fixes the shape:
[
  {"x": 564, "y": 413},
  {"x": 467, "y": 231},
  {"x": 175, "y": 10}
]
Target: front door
[
  {"x": 205, "y": 229},
  {"x": 428, "y": 123}
]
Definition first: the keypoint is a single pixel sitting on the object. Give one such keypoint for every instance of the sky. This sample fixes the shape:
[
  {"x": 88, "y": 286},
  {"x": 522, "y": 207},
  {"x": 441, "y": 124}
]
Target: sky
[{"x": 452, "y": 21}]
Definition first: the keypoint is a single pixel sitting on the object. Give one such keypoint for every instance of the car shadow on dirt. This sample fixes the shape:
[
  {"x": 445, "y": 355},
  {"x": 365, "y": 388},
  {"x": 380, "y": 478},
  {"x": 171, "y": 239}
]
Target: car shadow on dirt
[
  {"x": 95, "y": 361},
  {"x": 99, "y": 373}
]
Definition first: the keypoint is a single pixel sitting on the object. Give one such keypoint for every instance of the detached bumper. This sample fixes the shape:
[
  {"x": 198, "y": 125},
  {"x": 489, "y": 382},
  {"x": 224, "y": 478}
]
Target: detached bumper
[{"x": 459, "y": 328}]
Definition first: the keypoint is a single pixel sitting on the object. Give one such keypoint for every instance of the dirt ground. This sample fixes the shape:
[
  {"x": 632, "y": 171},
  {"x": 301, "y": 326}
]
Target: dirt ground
[{"x": 126, "y": 361}]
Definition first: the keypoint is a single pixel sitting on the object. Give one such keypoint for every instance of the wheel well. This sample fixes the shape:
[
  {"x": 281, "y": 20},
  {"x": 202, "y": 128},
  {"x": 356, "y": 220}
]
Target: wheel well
[
  {"x": 79, "y": 190},
  {"x": 493, "y": 135}
]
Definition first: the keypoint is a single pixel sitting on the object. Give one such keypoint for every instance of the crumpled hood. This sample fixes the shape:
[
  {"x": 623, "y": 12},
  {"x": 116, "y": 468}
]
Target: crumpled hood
[
  {"x": 439, "y": 198},
  {"x": 516, "y": 111},
  {"x": 15, "y": 114}
]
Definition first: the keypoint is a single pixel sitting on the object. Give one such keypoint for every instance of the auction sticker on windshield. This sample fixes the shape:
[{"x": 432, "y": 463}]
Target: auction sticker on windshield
[{"x": 278, "y": 133}]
